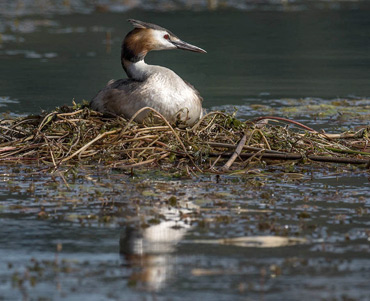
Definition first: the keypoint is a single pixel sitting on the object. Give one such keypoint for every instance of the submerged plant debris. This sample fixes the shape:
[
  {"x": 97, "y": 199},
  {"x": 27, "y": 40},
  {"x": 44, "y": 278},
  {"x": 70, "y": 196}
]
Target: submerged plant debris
[{"x": 218, "y": 143}]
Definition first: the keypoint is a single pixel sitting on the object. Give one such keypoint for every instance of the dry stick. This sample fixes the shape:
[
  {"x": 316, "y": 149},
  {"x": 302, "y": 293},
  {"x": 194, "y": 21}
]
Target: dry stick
[
  {"x": 126, "y": 138},
  {"x": 21, "y": 122},
  {"x": 19, "y": 159},
  {"x": 264, "y": 139},
  {"x": 251, "y": 136},
  {"x": 10, "y": 129},
  {"x": 227, "y": 145},
  {"x": 87, "y": 153},
  {"x": 345, "y": 135},
  {"x": 64, "y": 120},
  {"x": 51, "y": 151},
  {"x": 150, "y": 144},
  {"x": 16, "y": 152},
  {"x": 141, "y": 138},
  {"x": 134, "y": 116},
  {"x": 141, "y": 148},
  {"x": 208, "y": 125},
  {"x": 337, "y": 159},
  {"x": 144, "y": 162},
  {"x": 204, "y": 117},
  {"x": 70, "y": 114},
  {"x": 64, "y": 180},
  {"x": 88, "y": 144},
  {"x": 236, "y": 153},
  {"x": 246, "y": 162},
  {"x": 297, "y": 156},
  {"x": 286, "y": 120},
  {"x": 190, "y": 172},
  {"x": 151, "y": 129},
  {"x": 153, "y": 154},
  {"x": 44, "y": 122},
  {"x": 76, "y": 142},
  {"x": 164, "y": 145},
  {"x": 212, "y": 167},
  {"x": 7, "y": 148},
  {"x": 187, "y": 171},
  {"x": 9, "y": 138}
]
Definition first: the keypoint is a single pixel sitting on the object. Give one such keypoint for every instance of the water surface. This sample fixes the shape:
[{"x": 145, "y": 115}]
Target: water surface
[{"x": 252, "y": 56}]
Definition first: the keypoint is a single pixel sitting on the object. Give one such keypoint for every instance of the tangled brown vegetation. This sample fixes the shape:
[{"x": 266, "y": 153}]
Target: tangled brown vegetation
[{"x": 217, "y": 143}]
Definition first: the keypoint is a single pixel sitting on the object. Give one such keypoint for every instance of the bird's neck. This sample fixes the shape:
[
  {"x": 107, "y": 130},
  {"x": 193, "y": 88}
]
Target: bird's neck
[
  {"x": 136, "y": 70},
  {"x": 132, "y": 58}
]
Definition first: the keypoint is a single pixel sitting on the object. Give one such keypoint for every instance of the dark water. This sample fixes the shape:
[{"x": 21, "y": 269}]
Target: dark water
[
  {"x": 267, "y": 235},
  {"x": 252, "y": 56}
]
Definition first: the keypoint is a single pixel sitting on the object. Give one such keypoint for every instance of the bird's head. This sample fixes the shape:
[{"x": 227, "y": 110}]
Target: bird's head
[{"x": 146, "y": 37}]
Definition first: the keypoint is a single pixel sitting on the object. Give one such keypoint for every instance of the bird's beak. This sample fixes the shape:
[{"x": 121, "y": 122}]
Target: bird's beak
[{"x": 186, "y": 46}]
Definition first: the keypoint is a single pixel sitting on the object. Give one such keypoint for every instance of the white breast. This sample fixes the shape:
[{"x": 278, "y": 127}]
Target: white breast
[{"x": 167, "y": 93}]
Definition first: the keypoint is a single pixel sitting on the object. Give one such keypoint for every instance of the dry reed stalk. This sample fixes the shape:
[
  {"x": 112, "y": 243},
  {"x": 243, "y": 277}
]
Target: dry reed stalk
[
  {"x": 236, "y": 153},
  {"x": 259, "y": 153},
  {"x": 88, "y": 144},
  {"x": 286, "y": 120}
]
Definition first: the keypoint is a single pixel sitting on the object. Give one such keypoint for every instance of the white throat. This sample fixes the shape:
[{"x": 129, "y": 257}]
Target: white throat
[{"x": 137, "y": 71}]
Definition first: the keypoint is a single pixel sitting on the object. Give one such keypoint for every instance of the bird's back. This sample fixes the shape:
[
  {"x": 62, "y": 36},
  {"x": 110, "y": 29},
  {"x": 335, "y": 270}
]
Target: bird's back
[{"x": 109, "y": 100}]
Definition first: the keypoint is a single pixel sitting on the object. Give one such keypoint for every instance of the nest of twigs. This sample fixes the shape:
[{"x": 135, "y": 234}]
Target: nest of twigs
[{"x": 217, "y": 143}]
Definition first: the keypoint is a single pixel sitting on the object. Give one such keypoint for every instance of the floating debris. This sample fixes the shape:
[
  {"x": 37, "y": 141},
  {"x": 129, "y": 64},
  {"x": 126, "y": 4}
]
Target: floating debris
[{"x": 256, "y": 241}]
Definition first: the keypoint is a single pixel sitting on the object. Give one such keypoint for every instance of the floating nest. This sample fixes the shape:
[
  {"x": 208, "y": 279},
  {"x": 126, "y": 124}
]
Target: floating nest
[{"x": 217, "y": 143}]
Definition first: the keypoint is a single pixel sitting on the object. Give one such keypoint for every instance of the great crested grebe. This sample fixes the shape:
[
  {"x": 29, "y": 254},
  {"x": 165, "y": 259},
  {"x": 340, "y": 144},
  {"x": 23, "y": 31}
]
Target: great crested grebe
[{"x": 150, "y": 86}]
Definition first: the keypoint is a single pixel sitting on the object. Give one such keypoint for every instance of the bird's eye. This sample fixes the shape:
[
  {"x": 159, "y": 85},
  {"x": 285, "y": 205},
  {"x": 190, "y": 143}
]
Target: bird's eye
[{"x": 166, "y": 36}]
